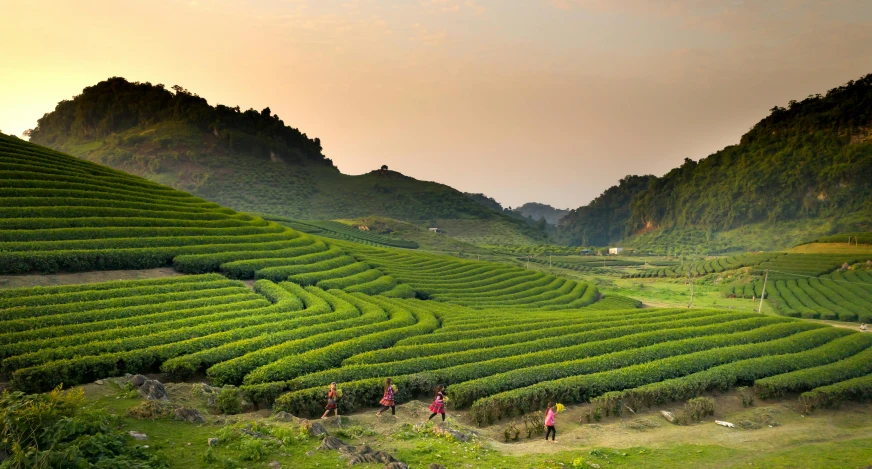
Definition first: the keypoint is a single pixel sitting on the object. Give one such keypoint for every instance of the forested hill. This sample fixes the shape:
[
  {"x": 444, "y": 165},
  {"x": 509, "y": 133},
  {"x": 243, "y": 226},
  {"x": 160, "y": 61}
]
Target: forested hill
[
  {"x": 811, "y": 160},
  {"x": 116, "y": 105},
  {"x": 248, "y": 160},
  {"x": 538, "y": 211}
]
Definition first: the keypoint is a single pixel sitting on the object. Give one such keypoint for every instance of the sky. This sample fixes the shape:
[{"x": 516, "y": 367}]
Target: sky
[{"x": 550, "y": 101}]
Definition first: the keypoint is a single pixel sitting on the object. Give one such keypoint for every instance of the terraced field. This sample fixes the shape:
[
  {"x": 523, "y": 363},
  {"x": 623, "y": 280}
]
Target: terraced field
[
  {"x": 336, "y": 230},
  {"x": 59, "y": 213},
  {"x": 841, "y": 295},
  {"x": 500, "y": 366},
  {"x": 283, "y": 343},
  {"x": 711, "y": 266},
  {"x": 479, "y": 284},
  {"x": 503, "y": 338}
]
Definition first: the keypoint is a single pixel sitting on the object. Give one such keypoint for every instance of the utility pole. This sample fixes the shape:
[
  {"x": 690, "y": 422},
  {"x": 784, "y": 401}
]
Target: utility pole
[
  {"x": 763, "y": 293},
  {"x": 527, "y": 264},
  {"x": 549, "y": 260}
]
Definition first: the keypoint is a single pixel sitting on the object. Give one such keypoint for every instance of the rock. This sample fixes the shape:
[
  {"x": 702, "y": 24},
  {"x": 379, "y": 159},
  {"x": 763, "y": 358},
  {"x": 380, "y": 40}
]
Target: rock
[
  {"x": 283, "y": 416},
  {"x": 361, "y": 459},
  {"x": 213, "y": 441},
  {"x": 100, "y": 382},
  {"x": 274, "y": 465},
  {"x": 436, "y": 466},
  {"x": 381, "y": 456},
  {"x": 592, "y": 464},
  {"x": 331, "y": 442},
  {"x": 316, "y": 429},
  {"x": 188, "y": 415},
  {"x": 669, "y": 416},
  {"x": 137, "y": 435},
  {"x": 396, "y": 465},
  {"x": 725, "y": 424},
  {"x": 260, "y": 436},
  {"x": 138, "y": 380},
  {"x": 153, "y": 390}
]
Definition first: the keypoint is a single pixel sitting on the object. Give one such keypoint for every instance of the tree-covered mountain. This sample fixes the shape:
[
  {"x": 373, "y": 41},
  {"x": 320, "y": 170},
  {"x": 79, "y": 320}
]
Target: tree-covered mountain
[
  {"x": 604, "y": 220},
  {"x": 538, "y": 211},
  {"x": 809, "y": 160},
  {"x": 247, "y": 160}
]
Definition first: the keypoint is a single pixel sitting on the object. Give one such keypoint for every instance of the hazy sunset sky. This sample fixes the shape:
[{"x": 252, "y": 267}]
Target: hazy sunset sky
[{"x": 525, "y": 100}]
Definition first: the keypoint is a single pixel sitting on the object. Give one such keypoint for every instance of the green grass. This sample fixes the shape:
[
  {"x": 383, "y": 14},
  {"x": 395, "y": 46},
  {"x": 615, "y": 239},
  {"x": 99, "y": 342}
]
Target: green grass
[{"x": 185, "y": 445}]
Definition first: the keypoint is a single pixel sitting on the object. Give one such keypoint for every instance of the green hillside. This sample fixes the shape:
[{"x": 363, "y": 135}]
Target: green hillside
[
  {"x": 810, "y": 162},
  {"x": 246, "y": 160},
  {"x": 504, "y": 340}
]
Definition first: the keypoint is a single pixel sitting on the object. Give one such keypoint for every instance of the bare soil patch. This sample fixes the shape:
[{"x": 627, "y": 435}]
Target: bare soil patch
[{"x": 71, "y": 278}]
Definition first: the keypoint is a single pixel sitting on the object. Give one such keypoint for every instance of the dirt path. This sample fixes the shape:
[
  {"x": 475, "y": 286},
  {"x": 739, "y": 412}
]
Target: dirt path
[
  {"x": 789, "y": 428},
  {"x": 37, "y": 280}
]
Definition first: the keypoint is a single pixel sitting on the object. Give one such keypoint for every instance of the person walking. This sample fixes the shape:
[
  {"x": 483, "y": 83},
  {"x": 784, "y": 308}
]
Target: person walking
[
  {"x": 387, "y": 400},
  {"x": 332, "y": 395},
  {"x": 438, "y": 405},
  {"x": 549, "y": 422}
]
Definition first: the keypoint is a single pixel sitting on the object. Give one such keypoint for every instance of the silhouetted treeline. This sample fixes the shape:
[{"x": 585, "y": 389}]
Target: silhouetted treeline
[{"x": 116, "y": 105}]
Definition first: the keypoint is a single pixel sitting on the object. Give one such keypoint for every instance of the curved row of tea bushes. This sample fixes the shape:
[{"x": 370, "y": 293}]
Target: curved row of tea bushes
[
  {"x": 842, "y": 296},
  {"x": 60, "y": 213},
  {"x": 692, "y": 373},
  {"x": 709, "y": 266},
  {"x": 478, "y": 284}
]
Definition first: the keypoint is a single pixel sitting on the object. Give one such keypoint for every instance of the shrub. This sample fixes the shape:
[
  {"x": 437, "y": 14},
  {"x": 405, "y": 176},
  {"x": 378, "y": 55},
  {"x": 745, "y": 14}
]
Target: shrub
[{"x": 228, "y": 401}]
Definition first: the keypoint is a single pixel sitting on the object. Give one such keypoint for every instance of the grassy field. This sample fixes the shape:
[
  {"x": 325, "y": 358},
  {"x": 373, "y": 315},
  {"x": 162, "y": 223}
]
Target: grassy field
[{"x": 777, "y": 436}]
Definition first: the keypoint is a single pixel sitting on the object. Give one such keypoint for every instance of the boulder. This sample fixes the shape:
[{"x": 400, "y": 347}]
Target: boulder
[
  {"x": 316, "y": 429},
  {"x": 213, "y": 441},
  {"x": 274, "y": 465},
  {"x": 384, "y": 457},
  {"x": 283, "y": 416},
  {"x": 188, "y": 415},
  {"x": 138, "y": 380},
  {"x": 436, "y": 466},
  {"x": 396, "y": 465},
  {"x": 153, "y": 390},
  {"x": 137, "y": 435},
  {"x": 332, "y": 443},
  {"x": 669, "y": 416}
]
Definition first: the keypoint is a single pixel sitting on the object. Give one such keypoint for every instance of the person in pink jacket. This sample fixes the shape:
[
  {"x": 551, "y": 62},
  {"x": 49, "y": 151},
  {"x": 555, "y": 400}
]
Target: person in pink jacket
[{"x": 549, "y": 422}]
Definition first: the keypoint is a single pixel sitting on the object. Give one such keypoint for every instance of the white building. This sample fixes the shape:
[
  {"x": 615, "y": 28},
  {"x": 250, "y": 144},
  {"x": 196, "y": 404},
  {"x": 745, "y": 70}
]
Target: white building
[{"x": 616, "y": 250}]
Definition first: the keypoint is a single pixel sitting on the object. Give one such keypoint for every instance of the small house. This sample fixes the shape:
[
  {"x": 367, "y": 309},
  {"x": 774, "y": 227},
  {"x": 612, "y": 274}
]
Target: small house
[{"x": 615, "y": 251}]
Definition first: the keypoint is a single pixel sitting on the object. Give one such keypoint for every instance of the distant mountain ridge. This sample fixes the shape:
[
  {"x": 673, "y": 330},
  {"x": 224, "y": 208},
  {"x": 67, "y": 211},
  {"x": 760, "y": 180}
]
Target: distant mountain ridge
[
  {"x": 248, "y": 160},
  {"x": 538, "y": 211},
  {"x": 810, "y": 160},
  {"x": 532, "y": 212}
]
